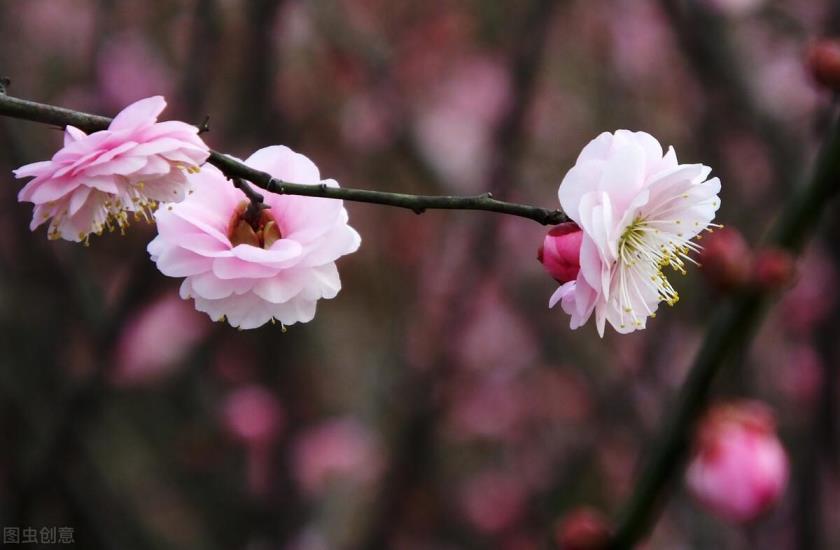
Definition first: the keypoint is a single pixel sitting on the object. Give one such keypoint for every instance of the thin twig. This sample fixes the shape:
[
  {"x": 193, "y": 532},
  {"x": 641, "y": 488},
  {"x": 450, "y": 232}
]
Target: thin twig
[
  {"x": 59, "y": 116},
  {"x": 256, "y": 198},
  {"x": 731, "y": 325},
  {"x": 256, "y": 202}
]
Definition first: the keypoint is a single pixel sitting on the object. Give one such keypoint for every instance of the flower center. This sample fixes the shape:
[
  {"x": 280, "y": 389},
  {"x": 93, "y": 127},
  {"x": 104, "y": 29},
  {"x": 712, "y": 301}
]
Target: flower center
[
  {"x": 643, "y": 251},
  {"x": 255, "y": 228}
]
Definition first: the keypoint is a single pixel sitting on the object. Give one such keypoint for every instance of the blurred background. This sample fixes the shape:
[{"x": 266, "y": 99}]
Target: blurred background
[{"x": 436, "y": 403}]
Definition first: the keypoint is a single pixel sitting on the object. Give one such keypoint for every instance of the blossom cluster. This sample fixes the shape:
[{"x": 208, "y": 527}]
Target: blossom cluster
[
  {"x": 634, "y": 211},
  {"x": 245, "y": 269}
]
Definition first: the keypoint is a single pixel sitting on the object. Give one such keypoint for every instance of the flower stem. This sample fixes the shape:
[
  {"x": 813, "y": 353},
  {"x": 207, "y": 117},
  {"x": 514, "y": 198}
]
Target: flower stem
[{"x": 50, "y": 114}]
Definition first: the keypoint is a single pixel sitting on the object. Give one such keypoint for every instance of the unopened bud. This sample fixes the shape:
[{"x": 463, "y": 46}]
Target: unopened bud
[
  {"x": 560, "y": 252},
  {"x": 773, "y": 269},
  {"x": 725, "y": 259},
  {"x": 740, "y": 468},
  {"x": 583, "y": 529},
  {"x": 823, "y": 61}
]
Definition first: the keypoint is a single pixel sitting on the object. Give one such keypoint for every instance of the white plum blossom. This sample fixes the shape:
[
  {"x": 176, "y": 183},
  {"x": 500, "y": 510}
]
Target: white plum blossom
[{"x": 640, "y": 212}]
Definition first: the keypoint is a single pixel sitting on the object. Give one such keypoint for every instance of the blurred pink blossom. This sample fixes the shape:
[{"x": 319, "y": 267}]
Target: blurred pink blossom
[
  {"x": 582, "y": 529},
  {"x": 641, "y": 41},
  {"x": 784, "y": 85},
  {"x": 418, "y": 64},
  {"x": 250, "y": 272},
  {"x": 556, "y": 395},
  {"x": 95, "y": 180},
  {"x": 492, "y": 501},
  {"x": 254, "y": 416},
  {"x": 814, "y": 295},
  {"x": 129, "y": 68},
  {"x": 156, "y": 340},
  {"x": 64, "y": 27},
  {"x": 801, "y": 374},
  {"x": 747, "y": 163},
  {"x": 235, "y": 362},
  {"x": 367, "y": 124},
  {"x": 489, "y": 407},
  {"x": 740, "y": 468},
  {"x": 339, "y": 449},
  {"x": 494, "y": 335},
  {"x": 454, "y": 129},
  {"x": 773, "y": 269},
  {"x": 726, "y": 259}
]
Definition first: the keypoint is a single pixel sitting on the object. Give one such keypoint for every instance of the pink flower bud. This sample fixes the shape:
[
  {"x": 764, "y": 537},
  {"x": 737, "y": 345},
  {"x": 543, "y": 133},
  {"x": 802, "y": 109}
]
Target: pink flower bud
[
  {"x": 725, "y": 259},
  {"x": 560, "y": 252},
  {"x": 582, "y": 529},
  {"x": 740, "y": 468},
  {"x": 773, "y": 269}
]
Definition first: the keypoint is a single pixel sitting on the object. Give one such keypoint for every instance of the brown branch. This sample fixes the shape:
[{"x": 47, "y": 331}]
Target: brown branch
[{"x": 50, "y": 114}]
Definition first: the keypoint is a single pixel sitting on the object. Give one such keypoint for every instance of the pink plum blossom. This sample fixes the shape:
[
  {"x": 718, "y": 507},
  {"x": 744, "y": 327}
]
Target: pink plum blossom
[
  {"x": 740, "y": 468},
  {"x": 341, "y": 448},
  {"x": 95, "y": 180},
  {"x": 252, "y": 272},
  {"x": 639, "y": 210}
]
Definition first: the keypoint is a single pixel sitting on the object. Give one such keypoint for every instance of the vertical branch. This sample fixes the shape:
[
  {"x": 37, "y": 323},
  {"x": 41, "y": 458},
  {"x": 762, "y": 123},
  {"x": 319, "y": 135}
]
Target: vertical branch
[
  {"x": 731, "y": 326},
  {"x": 255, "y": 109}
]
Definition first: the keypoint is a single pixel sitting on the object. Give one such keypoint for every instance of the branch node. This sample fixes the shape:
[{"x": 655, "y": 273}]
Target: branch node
[
  {"x": 487, "y": 195},
  {"x": 418, "y": 210},
  {"x": 323, "y": 187},
  {"x": 5, "y": 82},
  {"x": 204, "y": 127}
]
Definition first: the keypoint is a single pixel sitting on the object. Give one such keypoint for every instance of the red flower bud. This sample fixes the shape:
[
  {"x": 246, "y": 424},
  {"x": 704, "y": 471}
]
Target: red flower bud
[
  {"x": 823, "y": 61},
  {"x": 583, "y": 529},
  {"x": 560, "y": 252},
  {"x": 725, "y": 259},
  {"x": 773, "y": 269}
]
